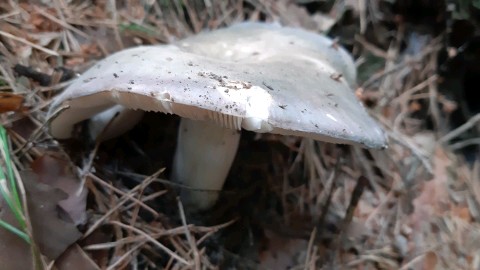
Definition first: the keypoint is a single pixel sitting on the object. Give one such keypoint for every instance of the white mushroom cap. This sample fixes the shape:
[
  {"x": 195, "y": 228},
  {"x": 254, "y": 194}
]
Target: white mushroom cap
[
  {"x": 242, "y": 41},
  {"x": 259, "y": 77}
]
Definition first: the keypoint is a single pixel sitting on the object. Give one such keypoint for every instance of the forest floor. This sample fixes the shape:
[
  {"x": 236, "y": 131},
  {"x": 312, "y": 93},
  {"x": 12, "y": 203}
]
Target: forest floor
[{"x": 289, "y": 203}]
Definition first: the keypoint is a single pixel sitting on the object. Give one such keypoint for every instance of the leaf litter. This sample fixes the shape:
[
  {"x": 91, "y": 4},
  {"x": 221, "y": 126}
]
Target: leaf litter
[
  {"x": 292, "y": 206},
  {"x": 51, "y": 233}
]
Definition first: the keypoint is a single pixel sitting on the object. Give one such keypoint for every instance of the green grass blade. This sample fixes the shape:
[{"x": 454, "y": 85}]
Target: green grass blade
[
  {"x": 15, "y": 231},
  {"x": 10, "y": 174},
  {"x": 9, "y": 191}
]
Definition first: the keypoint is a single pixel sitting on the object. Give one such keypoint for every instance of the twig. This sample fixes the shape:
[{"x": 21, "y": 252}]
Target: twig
[
  {"x": 87, "y": 168},
  {"x": 152, "y": 240},
  {"x": 433, "y": 102},
  {"x": 24, "y": 41},
  {"x": 147, "y": 198},
  {"x": 215, "y": 229},
  {"x": 461, "y": 129},
  {"x": 9, "y": 79},
  {"x": 372, "y": 48},
  {"x": 10, "y": 14},
  {"x": 417, "y": 259},
  {"x": 326, "y": 204},
  {"x": 115, "y": 18},
  {"x": 125, "y": 197},
  {"x": 465, "y": 143},
  {"x": 125, "y": 256},
  {"x": 171, "y": 232},
  {"x": 190, "y": 238},
  {"x": 378, "y": 76},
  {"x": 62, "y": 23},
  {"x": 311, "y": 242},
  {"x": 178, "y": 185},
  {"x": 408, "y": 143},
  {"x": 409, "y": 92},
  {"x": 38, "y": 131}
]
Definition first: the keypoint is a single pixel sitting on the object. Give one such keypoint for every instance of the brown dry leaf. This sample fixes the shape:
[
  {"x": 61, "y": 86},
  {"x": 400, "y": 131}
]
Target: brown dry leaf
[
  {"x": 55, "y": 172},
  {"x": 24, "y": 127},
  {"x": 74, "y": 258},
  {"x": 462, "y": 212},
  {"x": 10, "y": 102},
  {"x": 39, "y": 22},
  {"x": 434, "y": 196},
  {"x": 430, "y": 260},
  {"x": 99, "y": 256},
  {"x": 51, "y": 234},
  {"x": 14, "y": 252},
  {"x": 74, "y": 61},
  {"x": 13, "y": 30},
  {"x": 91, "y": 50}
]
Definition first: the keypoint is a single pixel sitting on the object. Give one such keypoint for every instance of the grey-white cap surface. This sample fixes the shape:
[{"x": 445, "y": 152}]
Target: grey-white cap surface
[{"x": 259, "y": 77}]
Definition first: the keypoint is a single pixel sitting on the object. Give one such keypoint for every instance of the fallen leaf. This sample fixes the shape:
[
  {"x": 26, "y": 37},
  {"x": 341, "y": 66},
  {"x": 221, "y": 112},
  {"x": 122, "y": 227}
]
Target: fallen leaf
[
  {"x": 51, "y": 234},
  {"x": 74, "y": 258},
  {"x": 430, "y": 261},
  {"x": 99, "y": 256},
  {"x": 15, "y": 253},
  {"x": 434, "y": 197},
  {"x": 10, "y": 102},
  {"x": 54, "y": 171},
  {"x": 462, "y": 212},
  {"x": 39, "y": 22}
]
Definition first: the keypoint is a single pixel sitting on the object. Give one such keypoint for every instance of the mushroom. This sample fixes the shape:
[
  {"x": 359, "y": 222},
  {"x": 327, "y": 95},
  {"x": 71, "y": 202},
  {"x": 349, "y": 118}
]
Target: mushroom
[{"x": 256, "y": 76}]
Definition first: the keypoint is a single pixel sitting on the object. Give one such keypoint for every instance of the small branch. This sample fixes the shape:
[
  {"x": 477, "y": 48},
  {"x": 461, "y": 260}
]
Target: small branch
[
  {"x": 26, "y": 42},
  {"x": 461, "y": 129},
  {"x": 190, "y": 238},
  {"x": 152, "y": 240}
]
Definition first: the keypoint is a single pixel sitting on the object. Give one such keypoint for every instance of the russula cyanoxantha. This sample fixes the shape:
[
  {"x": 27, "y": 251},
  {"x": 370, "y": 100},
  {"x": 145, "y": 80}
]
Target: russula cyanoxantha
[{"x": 255, "y": 76}]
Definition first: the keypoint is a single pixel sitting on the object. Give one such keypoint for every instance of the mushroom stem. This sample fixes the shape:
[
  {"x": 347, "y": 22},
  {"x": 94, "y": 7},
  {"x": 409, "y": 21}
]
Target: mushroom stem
[{"x": 204, "y": 155}]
